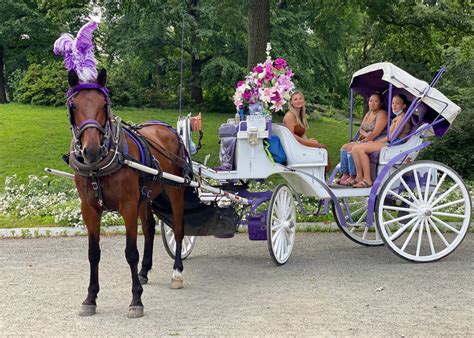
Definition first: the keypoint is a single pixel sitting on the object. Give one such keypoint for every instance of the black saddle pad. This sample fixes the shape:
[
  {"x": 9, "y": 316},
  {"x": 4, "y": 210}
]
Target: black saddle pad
[{"x": 200, "y": 219}]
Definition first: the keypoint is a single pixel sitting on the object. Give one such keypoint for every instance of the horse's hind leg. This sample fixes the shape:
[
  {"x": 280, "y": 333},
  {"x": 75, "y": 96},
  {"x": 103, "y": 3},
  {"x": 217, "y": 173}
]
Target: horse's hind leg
[
  {"x": 130, "y": 214},
  {"x": 148, "y": 227},
  {"x": 92, "y": 219},
  {"x": 177, "y": 204}
]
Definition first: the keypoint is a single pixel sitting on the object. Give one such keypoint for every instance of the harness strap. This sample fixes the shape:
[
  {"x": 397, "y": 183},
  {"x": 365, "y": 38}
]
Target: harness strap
[{"x": 98, "y": 192}]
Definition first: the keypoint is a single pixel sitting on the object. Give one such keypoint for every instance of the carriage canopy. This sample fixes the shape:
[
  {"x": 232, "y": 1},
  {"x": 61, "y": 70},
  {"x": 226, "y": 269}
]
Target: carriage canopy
[{"x": 378, "y": 77}]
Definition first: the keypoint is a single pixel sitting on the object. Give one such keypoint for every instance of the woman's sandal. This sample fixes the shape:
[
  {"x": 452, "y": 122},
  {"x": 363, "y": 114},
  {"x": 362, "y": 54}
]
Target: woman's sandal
[
  {"x": 342, "y": 179},
  {"x": 362, "y": 184},
  {"x": 349, "y": 182}
]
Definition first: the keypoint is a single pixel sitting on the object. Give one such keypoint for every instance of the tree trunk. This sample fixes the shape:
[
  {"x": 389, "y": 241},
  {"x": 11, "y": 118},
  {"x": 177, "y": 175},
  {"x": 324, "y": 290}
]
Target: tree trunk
[
  {"x": 196, "y": 64},
  {"x": 3, "y": 83},
  {"x": 196, "y": 88},
  {"x": 259, "y": 31}
]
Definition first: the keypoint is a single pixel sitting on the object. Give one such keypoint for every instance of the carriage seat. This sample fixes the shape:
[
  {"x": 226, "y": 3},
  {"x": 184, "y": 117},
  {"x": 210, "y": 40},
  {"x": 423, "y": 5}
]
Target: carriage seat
[
  {"x": 296, "y": 153},
  {"x": 386, "y": 154}
]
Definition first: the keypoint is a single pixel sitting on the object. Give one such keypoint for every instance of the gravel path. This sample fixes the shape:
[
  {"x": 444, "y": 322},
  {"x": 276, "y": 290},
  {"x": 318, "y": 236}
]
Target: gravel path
[{"x": 330, "y": 286}]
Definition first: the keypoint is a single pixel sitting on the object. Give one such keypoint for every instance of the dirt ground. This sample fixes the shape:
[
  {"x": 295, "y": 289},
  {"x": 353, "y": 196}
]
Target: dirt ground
[{"x": 330, "y": 286}]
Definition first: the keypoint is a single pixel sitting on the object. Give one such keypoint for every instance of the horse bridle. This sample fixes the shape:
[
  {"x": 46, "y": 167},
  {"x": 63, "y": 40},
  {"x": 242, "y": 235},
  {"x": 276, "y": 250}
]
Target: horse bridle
[{"x": 77, "y": 131}]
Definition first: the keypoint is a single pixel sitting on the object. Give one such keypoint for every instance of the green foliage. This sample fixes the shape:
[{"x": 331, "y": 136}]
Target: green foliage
[
  {"x": 456, "y": 148},
  {"x": 43, "y": 85}
]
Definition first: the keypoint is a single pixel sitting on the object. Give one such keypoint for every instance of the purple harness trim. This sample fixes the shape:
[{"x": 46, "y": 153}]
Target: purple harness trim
[
  {"x": 139, "y": 146},
  {"x": 82, "y": 86},
  {"x": 90, "y": 121}
]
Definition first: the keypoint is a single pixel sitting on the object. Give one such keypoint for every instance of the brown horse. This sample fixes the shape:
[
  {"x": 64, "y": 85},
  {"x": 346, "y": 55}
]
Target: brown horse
[{"x": 119, "y": 187}]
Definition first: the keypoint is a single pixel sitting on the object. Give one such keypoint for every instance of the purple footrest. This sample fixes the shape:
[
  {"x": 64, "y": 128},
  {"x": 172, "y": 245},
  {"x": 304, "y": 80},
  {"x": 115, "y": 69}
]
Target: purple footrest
[{"x": 257, "y": 226}]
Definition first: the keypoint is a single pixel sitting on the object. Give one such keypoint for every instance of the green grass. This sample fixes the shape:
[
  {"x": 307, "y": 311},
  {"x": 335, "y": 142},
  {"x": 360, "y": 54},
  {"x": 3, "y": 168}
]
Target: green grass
[{"x": 34, "y": 137}]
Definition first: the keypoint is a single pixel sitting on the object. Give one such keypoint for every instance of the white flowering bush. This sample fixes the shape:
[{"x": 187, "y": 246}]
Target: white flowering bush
[{"x": 43, "y": 197}]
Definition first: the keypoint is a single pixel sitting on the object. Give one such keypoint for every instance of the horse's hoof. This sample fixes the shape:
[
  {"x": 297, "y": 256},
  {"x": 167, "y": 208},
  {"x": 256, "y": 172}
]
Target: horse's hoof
[
  {"x": 143, "y": 280},
  {"x": 135, "y": 311},
  {"x": 176, "y": 283},
  {"x": 87, "y": 310}
]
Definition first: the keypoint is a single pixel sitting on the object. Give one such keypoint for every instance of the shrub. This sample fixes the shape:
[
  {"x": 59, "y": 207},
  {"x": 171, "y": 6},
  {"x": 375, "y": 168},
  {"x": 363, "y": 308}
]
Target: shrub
[
  {"x": 456, "y": 147},
  {"x": 43, "y": 84}
]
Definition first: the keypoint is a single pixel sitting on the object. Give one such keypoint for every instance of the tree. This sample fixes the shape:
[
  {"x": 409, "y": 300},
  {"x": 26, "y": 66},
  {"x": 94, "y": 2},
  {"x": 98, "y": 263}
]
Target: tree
[
  {"x": 258, "y": 31},
  {"x": 28, "y": 30}
]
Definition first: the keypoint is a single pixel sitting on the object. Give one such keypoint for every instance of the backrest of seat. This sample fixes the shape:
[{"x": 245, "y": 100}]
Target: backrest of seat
[
  {"x": 387, "y": 153},
  {"x": 296, "y": 153}
]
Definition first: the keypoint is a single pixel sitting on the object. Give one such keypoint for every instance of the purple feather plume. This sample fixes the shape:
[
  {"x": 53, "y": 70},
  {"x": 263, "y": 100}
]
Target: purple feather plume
[{"x": 79, "y": 52}]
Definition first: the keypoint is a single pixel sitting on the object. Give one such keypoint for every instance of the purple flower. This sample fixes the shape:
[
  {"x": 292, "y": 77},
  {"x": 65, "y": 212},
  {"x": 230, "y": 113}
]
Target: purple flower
[
  {"x": 240, "y": 83},
  {"x": 276, "y": 97},
  {"x": 280, "y": 63},
  {"x": 258, "y": 69},
  {"x": 246, "y": 95},
  {"x": 269, "y": 75}
]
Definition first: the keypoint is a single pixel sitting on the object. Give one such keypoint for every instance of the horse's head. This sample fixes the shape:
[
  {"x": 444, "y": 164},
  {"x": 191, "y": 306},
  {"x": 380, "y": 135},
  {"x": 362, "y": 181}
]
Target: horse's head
[{"x": 89, "y": 116}]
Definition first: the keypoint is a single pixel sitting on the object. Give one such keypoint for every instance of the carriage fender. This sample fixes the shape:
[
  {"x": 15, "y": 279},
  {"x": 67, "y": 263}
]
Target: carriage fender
[{"x": 381, "y": 178}]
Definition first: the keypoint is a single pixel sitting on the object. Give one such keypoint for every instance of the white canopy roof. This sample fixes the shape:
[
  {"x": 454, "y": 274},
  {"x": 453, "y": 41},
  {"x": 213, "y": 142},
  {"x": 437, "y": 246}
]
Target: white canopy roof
[{"x": 401, "y": 79}]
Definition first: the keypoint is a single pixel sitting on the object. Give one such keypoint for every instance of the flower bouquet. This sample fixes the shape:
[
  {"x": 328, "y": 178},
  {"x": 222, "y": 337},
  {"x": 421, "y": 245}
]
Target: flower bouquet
[{"x": 268, "y": 85}]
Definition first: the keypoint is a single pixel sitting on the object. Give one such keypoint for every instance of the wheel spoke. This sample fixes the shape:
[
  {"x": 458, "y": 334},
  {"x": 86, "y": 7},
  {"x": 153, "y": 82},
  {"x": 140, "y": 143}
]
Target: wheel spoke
[
  {"x": 377, "y": 235},
  {"x": 398, "y": 208},
  {"x": 445, "y": 224},
  {"x": 362, "y": 217},
  {"x": 407, "y": 188},
  {"x": 430, "y": 240},
  {"x": 366, "y": 231},
  {"x": 428, "y": 180},
  {"x": 448, "y": 204},
  {"x": 441, "y": 180},
  {"x": 440, "y": 235},
  {"x": 396, "y": 220},
  {"x": 357, "y": 211},
  {"x": 402, "y": 198},
  {"x": 402, "y": 229},
  {"x": 417, "y": 182},
  {"x": 448, "y": 214},
  {"x": 410, "y": 235},
  {"x": 420, "y": 236},
  {"x": 444, "y": 195}
]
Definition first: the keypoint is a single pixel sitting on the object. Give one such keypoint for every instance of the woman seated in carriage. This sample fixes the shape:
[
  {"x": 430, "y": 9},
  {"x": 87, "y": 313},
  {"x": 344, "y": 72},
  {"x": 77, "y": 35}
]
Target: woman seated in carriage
[
  {"x": 361, "y": 151},
  {"x": 373, "y": 127}
]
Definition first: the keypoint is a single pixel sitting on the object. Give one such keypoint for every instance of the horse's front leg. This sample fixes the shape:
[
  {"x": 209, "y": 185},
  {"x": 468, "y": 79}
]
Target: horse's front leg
[
  {"x": 148, "y": 227},
  {"x": 177, "y": 203},
  {"x": 129, "y": 213},
  {"x": 91, "y": 217}
]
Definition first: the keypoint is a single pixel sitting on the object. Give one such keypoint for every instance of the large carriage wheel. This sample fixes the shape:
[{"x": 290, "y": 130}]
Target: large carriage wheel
[
  {"x": 167, "y": 235},
  {"x": 281, "y": 224},
  {"x": 436, "y": 209},
  {"x": 355, "y": 215}
]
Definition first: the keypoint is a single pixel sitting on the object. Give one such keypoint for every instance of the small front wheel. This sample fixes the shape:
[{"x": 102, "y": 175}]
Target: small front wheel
[
  {"x": 281, "y": 224},
  {"x": 167, "y": 235}
]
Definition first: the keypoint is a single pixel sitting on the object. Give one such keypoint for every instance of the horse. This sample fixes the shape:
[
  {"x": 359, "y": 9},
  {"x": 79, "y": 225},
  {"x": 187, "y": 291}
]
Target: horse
[{"x": 97, "y": 138}]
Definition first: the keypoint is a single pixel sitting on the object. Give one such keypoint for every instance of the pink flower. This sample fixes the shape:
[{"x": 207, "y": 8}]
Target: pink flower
[
  {"x": 280, "y": 63},
  {"x": 269, "y": 75},
  {"x": 246, "y": 95},
  {"x": 269, "y": 83}
]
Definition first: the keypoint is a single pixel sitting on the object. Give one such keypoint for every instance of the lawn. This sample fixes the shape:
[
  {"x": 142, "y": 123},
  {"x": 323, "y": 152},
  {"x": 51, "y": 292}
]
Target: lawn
[{"x": 34, "y": 137}]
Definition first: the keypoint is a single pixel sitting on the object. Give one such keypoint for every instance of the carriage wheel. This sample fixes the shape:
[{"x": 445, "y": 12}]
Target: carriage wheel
[
  {"x": 167, "y": 235},
  {"x": 281, "y": 224},
  {"x": 436, "y": 209},
  {"x": 355, "y": 214}
]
